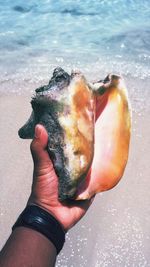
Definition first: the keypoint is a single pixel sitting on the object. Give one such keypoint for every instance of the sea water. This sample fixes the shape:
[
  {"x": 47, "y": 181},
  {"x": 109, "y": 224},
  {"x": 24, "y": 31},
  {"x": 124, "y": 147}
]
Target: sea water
[{"x": 97, "y": 37}]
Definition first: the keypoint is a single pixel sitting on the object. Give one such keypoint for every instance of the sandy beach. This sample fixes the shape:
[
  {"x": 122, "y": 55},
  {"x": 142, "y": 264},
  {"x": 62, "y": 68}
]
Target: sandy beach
[
  {"x": 115, "y": 230},
  {"x": 97, "y": 38}
]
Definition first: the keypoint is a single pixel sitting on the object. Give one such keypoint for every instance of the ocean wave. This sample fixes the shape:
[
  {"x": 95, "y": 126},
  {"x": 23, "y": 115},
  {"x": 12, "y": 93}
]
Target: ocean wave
[
  {"x": 93, "y": 36},
  {"x": 135, "y": 39},
  {"x": 22, "y": 9}
]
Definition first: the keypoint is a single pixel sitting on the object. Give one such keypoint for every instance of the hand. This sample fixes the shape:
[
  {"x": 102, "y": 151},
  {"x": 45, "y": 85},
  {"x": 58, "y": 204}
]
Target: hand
[{"x": 45, "y": 185}]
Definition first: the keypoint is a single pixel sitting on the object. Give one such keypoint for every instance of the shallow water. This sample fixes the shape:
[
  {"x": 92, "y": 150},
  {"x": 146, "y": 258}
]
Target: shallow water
[{"x": 97, "y": 37}]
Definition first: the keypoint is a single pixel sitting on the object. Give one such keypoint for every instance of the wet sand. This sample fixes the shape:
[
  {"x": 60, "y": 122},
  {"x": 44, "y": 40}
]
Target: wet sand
[{"x": 115, "y": 230}]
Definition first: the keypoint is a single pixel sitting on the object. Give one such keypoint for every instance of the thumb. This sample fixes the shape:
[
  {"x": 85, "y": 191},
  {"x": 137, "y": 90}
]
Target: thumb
[{"x": 39, "y": 146}]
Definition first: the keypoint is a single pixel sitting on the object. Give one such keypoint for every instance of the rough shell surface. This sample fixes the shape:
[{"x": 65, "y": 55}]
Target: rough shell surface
[{"x": 66, "y": 109}]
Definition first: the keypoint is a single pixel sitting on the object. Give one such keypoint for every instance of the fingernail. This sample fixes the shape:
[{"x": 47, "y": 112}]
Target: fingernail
[{"x": 37, "y": 132}]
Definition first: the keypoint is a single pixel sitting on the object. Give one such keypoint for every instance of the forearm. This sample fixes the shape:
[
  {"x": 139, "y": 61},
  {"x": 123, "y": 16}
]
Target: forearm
[{"x": 26, "y": 248}]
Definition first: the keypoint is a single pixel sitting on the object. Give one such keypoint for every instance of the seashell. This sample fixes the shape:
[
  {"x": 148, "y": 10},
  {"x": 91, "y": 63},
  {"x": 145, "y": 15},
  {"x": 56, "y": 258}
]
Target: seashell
[
  {"x": 68, "y": 108},
  {"x": 65, "y": 107}
]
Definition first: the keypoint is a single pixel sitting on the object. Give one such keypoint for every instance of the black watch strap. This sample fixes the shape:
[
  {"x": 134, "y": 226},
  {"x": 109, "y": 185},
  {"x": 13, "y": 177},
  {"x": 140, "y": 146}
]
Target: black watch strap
[{"x": 42, "y": 221}]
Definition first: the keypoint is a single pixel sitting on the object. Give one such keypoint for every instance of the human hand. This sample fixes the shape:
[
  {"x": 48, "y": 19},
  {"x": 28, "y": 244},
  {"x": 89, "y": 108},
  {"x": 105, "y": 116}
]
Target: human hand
[{"x": 45, "y": 185}]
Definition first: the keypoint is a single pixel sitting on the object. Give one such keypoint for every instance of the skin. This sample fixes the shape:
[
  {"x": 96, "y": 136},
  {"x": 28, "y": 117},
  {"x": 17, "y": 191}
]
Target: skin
[{"x": 23, "y": 244}]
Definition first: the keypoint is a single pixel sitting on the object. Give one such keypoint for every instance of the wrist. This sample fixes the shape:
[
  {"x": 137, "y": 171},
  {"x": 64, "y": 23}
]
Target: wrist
[
  {"x": 38, "y": 219},
  {"x": 56, "y": 210}
]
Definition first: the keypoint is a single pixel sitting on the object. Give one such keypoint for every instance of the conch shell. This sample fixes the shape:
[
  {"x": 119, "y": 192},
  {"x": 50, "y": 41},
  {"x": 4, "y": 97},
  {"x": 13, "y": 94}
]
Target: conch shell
[
  {"x": 68, "y": 107},
  {"x": 112, "y": 137}
]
